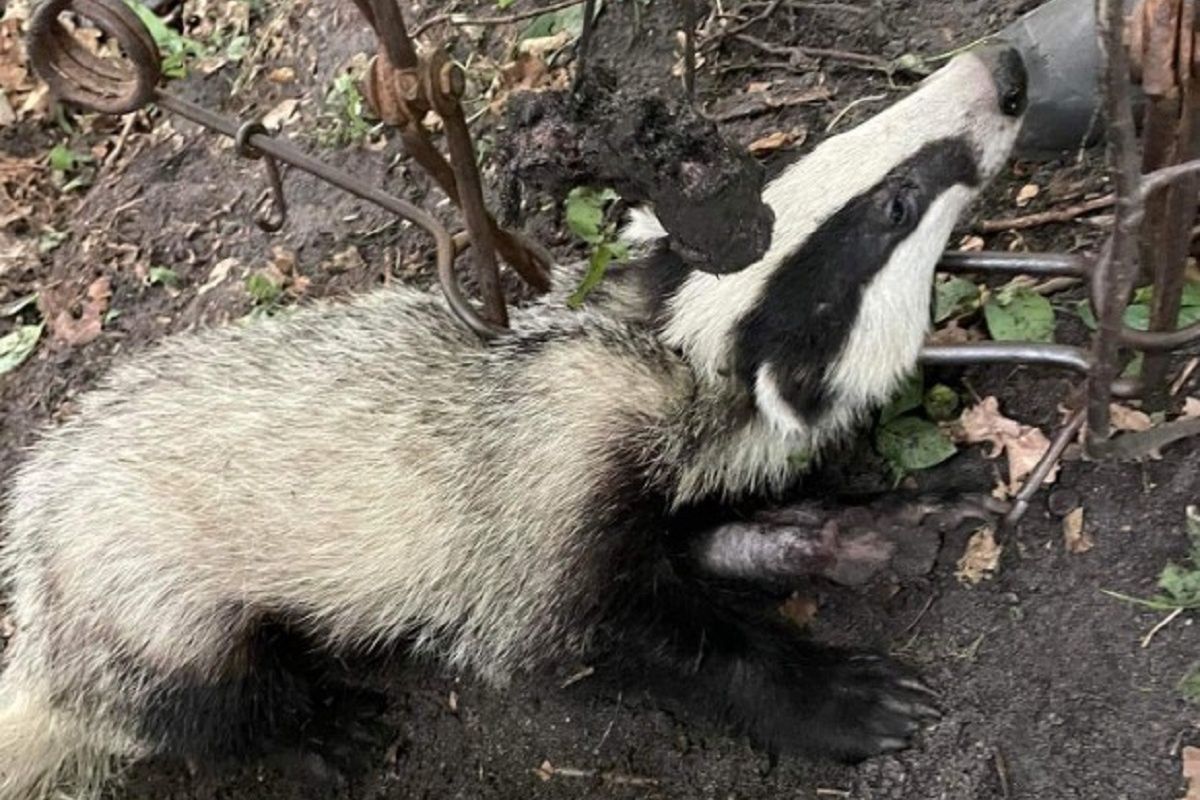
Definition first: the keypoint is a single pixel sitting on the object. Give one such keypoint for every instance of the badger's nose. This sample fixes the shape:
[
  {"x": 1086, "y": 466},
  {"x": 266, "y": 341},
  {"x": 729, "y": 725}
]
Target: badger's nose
[{"x": 1008, "y": 72}]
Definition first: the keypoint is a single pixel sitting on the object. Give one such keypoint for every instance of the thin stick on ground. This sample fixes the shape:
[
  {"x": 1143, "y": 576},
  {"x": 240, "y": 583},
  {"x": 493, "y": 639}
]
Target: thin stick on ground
[
  {"x": 857, "y": 60},
  {"x": 1164, "y": 622},
  {"x": 1049, "y": 217},
  {"x": 464, "y": 20}
]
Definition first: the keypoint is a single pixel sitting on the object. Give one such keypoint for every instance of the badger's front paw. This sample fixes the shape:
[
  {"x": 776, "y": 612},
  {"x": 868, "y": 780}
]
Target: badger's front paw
[{"x": 850, "y": 707}]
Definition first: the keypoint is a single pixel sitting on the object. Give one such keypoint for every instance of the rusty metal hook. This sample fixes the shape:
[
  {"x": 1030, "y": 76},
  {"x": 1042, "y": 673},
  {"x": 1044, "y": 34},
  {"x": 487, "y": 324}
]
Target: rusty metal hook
[{"x": 269, "y": 222}]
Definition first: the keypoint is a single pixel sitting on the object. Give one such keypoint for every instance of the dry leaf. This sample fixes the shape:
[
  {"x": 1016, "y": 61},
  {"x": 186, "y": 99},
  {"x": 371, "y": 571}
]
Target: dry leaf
[
  {"x": 1191, "y": 407},
  {"x": 758, "y": 86},
  {"x": 278, "y": 116},
  {"x": 1075, "y": 538},
  {"x": 8, "y": 626},
  {"x": 1125, "y": 418},
  {"x": 68, "y": 328},
  {"x": 1024, "y": 444},
  {"x": 981, "y": 558},
  {"x": 971, "y": 244},
  {"x": 219, "y": 272},
  {"x": 1191, "y": 772},
  {"x": 346, "y": 260},
  {"x": 799, "y": 609},
  {"x": 776, "y": 141},
  {"x": 281, "y": 75},
  {"x": 1027, "y": 193},
  {"x": 544, "y": 45}
]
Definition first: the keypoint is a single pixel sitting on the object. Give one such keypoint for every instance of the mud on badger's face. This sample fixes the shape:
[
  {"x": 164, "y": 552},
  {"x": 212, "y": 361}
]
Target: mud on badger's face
[{"x": 833, "y": 316}]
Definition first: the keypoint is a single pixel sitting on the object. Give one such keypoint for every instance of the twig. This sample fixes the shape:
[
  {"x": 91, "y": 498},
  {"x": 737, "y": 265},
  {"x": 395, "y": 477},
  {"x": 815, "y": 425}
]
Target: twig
[
  {"x": 463, "y": 20},
  {"x": 761, "y": 104},
  {"x": 860, "y": 60},
  {"x": 1164, "y": 622},
  {"x": 1046, "y": 217},
  {"x": 1186, "y": 373},
  {"x": 614, "y": 778},
  {"x": 871, "y": 98},
  {"x": 920, "y": 614},
  {"x": 736, "y": 29},
  {"x": 1002, "y": 773},
  {"x": 577, "y": 677}
]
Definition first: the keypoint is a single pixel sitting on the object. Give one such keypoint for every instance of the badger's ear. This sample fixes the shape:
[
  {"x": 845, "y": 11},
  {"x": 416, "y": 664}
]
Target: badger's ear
[{"x": 785, "y": 395}]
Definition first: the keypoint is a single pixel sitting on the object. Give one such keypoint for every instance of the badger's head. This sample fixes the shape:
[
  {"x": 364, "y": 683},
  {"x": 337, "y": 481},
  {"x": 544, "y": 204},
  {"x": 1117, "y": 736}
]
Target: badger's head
[{"x": 832, "y": 318}]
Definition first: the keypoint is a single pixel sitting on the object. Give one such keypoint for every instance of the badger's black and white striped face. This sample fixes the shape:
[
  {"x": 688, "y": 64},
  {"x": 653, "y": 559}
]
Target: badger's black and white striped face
[{"x": 831, "y": 319}]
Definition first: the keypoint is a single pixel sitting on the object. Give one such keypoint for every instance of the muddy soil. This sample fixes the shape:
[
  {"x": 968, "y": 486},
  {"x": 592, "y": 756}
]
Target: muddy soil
[{"x": 1048, "y": 689}]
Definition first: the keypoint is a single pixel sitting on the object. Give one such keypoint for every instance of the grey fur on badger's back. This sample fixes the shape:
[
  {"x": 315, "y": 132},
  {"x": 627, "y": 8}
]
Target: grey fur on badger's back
[
  {"x": 320, "y": 438},
  {"x": 370, "y": 471}
]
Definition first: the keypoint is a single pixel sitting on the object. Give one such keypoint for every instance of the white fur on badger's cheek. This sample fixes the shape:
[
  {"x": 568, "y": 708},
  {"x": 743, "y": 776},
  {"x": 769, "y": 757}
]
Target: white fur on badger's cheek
[
  {"x": 894, "y": 315},
  {"x": 774, "y": 408},
  {"x": 643, "y": 227}
]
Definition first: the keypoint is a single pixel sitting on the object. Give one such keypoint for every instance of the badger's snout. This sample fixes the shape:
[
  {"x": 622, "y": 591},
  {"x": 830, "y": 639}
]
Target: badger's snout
[{"x": 1008, "y": 73}]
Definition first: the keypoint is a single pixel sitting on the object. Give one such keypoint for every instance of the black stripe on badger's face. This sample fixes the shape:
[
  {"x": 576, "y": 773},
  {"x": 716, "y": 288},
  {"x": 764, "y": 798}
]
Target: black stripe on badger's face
[{"x": 785, "y": 345}]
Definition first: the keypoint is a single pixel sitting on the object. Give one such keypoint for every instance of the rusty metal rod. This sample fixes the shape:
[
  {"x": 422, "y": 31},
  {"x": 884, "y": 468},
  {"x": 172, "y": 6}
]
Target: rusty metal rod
[
  {"x": 289, "y": 154},
  {"x": 1117, "y": 271},
  {"x": 1035, "y": 479}
]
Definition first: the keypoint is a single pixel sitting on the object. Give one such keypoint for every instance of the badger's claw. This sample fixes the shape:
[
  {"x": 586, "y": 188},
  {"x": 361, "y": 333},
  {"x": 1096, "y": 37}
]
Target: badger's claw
[{"x": 854, "y": 708}]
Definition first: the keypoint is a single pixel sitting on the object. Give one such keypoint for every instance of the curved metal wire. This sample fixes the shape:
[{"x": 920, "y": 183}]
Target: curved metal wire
[{"x": 121, "y": 86}]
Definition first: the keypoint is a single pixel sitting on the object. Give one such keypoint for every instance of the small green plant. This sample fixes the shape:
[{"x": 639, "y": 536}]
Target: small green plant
[
  {"x": 909, "y": 441},
  {"x": 1017, "y": 313},
  {"x": 263, "y": 289},
  {"x": 1189, "y": 687},
  {"x": 342, "y": 121},
  {"x": 585, "y": 208},
  {"x": 1137, "y": 313},
  {"x": 177, "y": 49},
  {"x": 1178, "y": 584},
  {"x": 163, "y": 276},
  {"x": 69, "y": 167}
]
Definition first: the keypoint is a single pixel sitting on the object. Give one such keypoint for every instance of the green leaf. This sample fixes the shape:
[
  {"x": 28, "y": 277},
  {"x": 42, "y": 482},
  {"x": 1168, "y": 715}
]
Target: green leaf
[
  {"x": 503, "y": 4},
  {"x": 1019, "y": 314},
  {"x": 1189, "y": 687},
  {"x": 941, "y": 402},
  {"x": 954, "y": 297},
  {"x": 1180, "y": 585},
  {"x": 585, "y": 212},
  {"x": 163, "y": 276},
  {"x": 51, "y": 240},
  {"x": 262, "y": 289},
  {"x": 64, "y": 159},
  {"x": 1134, "y": 367},
  {"x": 550, "y": 23},
  {"x": 17, "y": 346},
  {"x": 911, "y": 443},
  {"x": 907, "y": 397}
]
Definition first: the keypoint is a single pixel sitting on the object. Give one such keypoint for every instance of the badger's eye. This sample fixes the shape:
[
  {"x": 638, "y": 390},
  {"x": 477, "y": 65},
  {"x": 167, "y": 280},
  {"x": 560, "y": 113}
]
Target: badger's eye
[{"x": 902, "y": 209}]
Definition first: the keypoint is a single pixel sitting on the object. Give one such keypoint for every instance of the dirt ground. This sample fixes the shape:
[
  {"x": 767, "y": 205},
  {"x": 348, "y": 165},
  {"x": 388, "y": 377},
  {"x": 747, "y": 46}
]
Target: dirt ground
[{"x": 1048, "y": 688}]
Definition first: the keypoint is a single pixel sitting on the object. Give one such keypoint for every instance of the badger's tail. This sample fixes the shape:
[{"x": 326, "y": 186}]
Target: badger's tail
[{"x": 45, "y": 751}]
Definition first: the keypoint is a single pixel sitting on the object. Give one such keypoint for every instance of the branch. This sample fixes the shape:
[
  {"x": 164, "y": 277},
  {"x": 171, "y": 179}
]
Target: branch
[{"x": 463, "y": 20}]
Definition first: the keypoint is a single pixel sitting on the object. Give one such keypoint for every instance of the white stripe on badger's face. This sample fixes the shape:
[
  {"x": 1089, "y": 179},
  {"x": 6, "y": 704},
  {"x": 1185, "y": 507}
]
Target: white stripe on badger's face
[{"x": 702, "y": 318}]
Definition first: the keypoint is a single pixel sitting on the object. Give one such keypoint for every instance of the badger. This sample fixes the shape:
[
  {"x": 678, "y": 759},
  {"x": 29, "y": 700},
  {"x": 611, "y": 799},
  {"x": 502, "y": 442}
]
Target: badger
[{"x": 371, "y": 472}]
